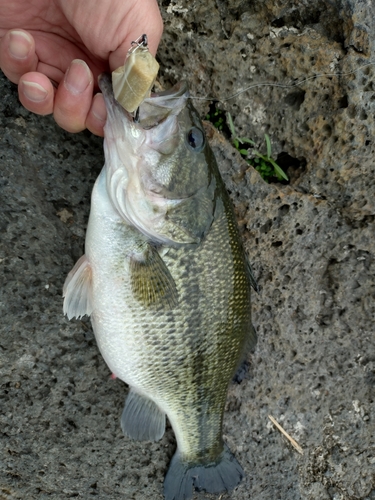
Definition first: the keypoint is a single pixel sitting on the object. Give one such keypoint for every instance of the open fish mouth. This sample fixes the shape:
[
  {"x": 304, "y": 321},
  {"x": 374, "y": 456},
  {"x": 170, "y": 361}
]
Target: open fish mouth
[{"x": 152, "y": 110}]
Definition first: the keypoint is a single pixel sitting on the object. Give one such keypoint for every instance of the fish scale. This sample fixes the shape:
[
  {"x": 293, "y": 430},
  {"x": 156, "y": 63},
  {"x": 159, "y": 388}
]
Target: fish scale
[{"x": 168, "y": 294}]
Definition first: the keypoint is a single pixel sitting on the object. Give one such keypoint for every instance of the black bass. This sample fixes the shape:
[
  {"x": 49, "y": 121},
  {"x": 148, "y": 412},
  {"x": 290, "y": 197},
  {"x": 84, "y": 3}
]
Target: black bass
[{"x": 167, "y": 284}]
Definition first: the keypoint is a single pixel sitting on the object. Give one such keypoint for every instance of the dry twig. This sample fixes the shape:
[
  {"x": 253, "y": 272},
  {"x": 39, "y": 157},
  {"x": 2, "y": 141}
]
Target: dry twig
[{"x": 292, "y": 441}]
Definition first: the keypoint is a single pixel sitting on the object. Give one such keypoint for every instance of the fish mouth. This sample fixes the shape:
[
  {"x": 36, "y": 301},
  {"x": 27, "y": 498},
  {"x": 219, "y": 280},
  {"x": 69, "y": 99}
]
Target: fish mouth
[{"x": 153, "y": 110}]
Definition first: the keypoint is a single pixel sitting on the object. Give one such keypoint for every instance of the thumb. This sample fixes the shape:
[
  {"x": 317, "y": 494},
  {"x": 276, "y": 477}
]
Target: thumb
[{"x": 143, "y": 18}]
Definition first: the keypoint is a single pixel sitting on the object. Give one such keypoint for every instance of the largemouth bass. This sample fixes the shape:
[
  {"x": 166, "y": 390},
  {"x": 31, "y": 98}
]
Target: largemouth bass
[{"x": 167, "y": 284}]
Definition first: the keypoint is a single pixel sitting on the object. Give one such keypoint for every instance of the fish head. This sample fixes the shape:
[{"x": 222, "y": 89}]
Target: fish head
[{"x": 159, "y": 166}]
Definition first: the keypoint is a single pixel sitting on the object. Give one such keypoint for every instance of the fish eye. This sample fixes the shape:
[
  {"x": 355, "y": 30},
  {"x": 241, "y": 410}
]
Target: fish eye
[{"x": 195, "y": 139}]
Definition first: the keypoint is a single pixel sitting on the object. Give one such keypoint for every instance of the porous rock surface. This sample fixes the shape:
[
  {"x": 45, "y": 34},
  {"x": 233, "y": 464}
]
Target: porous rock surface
[{"x": 311, "y": 243}]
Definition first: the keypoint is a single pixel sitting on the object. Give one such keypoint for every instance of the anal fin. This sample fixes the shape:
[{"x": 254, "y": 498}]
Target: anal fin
[
  {"x": 77, "y": 290},
  {"x": 253, "y": 281},
  {"x": 141, "y": 419},
  {"x": 251, "y": 338},
  {"x": 243, "y": 365}
]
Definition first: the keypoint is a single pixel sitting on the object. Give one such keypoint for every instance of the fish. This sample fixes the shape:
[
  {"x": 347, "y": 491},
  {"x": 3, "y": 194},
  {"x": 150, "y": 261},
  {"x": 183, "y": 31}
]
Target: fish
[{"x": 166, "y": 283}]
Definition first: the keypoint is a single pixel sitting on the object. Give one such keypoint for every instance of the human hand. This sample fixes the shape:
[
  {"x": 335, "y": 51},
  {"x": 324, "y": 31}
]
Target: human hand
[{"x": 56, "y": 49}]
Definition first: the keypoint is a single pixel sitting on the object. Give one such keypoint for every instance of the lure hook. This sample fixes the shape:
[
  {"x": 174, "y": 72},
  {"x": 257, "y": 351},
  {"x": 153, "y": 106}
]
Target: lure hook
[{"x": 140, "y": 43}]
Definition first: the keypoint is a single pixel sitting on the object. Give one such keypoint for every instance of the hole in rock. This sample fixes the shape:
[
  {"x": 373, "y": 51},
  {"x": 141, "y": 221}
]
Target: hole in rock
[
  {"x": 293, "y": 167},
  {"x": 343, "y": 102},
  {"x": 295, "y": 99},
  {"x": 278, "y": 23}
]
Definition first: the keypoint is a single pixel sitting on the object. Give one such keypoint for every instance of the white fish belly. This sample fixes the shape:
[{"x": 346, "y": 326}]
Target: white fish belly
[{"x": 120, "y": 323}]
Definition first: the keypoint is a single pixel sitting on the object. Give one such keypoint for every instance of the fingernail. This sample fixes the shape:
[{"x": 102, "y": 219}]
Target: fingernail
[
  {"x": 19, "y": 44},
  {"x": 78, "y": 77},
  {"x": 34, "y": 91},
  {"x": 98, "y": 109}
]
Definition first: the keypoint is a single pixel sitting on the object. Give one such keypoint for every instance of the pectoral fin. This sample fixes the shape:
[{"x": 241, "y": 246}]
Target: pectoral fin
[
  {"x": 152, "y": 283},
  {"x": 77, "y": 290},
  {"x": 141, "y": 419}
]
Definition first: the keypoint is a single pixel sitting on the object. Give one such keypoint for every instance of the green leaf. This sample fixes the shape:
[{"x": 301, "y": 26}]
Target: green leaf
[
  {"x": 231, "y": 124},
  {"x": 259, "y": 155},
  {"x": 268, "y": 143},
  {"x": 279, "y": 171},
  {"x": 243, "y": 152},
  {"x": 245, "y": 140},
  {"x": 263, "y": 174}
]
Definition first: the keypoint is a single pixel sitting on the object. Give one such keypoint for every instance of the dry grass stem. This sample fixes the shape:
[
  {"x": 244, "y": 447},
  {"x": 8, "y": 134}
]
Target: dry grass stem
[{"x": 283, "y": 431}]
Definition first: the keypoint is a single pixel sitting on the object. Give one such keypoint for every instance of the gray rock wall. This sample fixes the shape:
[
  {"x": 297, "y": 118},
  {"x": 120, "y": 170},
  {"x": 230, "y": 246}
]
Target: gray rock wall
[{"x": 311, "y": 244}]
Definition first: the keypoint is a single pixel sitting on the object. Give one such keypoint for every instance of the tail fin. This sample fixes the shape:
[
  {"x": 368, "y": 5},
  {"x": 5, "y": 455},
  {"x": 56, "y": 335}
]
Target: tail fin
[{"x": 181, "y": 478}]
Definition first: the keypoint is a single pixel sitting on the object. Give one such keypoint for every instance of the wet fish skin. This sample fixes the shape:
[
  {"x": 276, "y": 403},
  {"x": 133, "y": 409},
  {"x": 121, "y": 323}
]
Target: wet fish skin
[{"x": 167, "y": 284}]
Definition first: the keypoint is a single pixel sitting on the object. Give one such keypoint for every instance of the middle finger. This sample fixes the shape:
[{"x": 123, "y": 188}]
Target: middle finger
[{"x": 73, "y": 97}]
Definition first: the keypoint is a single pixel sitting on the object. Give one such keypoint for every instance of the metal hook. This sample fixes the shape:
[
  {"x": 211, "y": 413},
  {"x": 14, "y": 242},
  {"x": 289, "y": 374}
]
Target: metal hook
[
  {"x": 140, "y": 43},
  {"x": 136, "y": 115}
]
